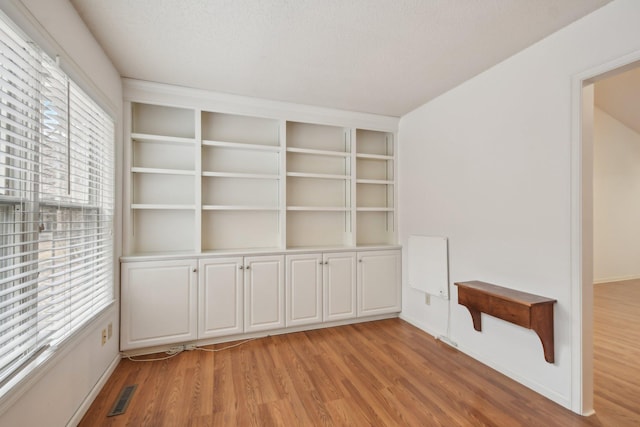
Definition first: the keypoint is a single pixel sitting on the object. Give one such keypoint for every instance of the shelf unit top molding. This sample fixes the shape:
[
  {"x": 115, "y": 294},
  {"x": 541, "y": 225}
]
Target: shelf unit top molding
[{"x": 181, "y": 97}]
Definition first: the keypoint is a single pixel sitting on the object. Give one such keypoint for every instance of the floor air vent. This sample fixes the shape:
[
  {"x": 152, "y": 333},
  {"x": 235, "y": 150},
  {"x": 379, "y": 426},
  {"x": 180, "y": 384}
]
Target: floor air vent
[{"x": 123, "y": 400}]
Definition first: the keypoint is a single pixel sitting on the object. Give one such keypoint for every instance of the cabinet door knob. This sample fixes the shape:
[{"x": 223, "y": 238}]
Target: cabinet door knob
[
  {"x": 195, "y": 270},
  {"x": 360, "y": 260},
  {"x": 248, "y": 267},
  {"x": 320, "y": 263},
  {"x": 241, "y": 267}
]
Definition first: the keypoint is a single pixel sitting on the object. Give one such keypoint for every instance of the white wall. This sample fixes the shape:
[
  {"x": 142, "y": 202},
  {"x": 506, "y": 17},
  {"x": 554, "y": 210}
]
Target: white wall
[
  {"x": 59, "y": 393},
  {"x": 616, "y": 200},
  {"x": 488, "y": 165}
]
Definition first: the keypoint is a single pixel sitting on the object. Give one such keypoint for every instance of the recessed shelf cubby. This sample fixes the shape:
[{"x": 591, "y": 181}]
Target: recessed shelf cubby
[
  {"x": 150, "y": 188},
  {"x": 162, "y": 120},
  {"x": 375, "y": 227},
  {"x": 318, "y": 137},
  {"x": 238, "y": 129},
  {"x": 163, "y": 230},
  {"x": 239, "y": 229},
  {"x": 240, "y": 192},
  {"x": 370, "y": 196},
  {"x": 308, "y": 229}
]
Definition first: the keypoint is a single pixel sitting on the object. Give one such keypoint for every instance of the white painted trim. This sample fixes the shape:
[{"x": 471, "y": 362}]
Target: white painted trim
[
  {"x": 615, "y": 279},
  {"x": 91, "y": 396},
  {"x": 158, "y": 93},
  {"x": 577, "y": 403},
  {"x": 533, "y": 385},
  {"x": 581, "y": 403},
  {"x": 418, "y": 324}
]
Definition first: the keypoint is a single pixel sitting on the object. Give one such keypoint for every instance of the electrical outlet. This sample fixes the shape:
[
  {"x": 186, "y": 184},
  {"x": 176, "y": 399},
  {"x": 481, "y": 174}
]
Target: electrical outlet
[
  {"x": 109, "y": 330},
  {"x": 427, "y": 299},
  {"x": 104, "y": 336}
]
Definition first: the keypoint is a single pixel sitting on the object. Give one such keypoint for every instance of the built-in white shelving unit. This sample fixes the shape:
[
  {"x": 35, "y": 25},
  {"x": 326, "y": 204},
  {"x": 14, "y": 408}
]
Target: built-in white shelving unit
[
  {"x": 247, "y": 215},
  {"x": 204, "y": 181}
]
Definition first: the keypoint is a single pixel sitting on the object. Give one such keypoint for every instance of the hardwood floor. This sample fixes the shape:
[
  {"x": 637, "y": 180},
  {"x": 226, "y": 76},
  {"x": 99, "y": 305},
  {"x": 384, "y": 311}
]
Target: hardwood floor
[
  {"x": 385, "y": 373},
  {"x": 617, "y": 353}
]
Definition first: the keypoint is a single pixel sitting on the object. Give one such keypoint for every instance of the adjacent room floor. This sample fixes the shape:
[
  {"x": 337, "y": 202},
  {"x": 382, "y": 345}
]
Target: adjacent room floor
[{"x": 617, "y": 352}]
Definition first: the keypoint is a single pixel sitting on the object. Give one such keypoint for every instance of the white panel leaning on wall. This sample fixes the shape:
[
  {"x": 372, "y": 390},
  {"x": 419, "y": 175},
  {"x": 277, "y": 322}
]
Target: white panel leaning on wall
[{"x": 429, "y": 265}]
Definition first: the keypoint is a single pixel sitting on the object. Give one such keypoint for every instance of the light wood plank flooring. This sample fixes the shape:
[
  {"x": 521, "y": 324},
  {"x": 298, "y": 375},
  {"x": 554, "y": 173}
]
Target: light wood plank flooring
[
  {"x": 617, "y": 353},
  {"x": 385, "y": 373},
  {"x": 380, "y": 373}
]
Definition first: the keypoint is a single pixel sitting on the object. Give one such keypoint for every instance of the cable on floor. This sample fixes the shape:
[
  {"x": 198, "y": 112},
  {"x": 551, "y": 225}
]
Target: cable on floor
[
  {"x": 214, "y": 350},
  {"x": 173, "y": 353}
]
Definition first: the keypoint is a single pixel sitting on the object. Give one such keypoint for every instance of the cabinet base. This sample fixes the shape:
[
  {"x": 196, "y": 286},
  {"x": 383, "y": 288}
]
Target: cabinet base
[{"x": 239, "y": 337}]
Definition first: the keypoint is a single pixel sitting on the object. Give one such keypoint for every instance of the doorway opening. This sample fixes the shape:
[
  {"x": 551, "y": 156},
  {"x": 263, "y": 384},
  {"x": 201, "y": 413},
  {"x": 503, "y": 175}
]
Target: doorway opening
[
  {"x": 584, "y": 108},
  {"x": 616, "y": 247}
]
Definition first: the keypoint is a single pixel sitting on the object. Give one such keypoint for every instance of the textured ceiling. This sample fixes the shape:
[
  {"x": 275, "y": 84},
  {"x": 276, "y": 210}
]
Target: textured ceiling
[
  {"x": 379, "y": 56},
  {"x": 619, "y": 96}
]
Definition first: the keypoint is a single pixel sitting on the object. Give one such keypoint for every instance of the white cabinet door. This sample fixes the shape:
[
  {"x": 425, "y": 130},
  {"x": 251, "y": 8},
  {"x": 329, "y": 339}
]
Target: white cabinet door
[
  {"x": 264, "y": 293},
  {"x": 339, "y": 283},
  {"x": 158, "y": 303},
  {"x": 379, "y": 284},
  {"x": 303, "y": 289},
  {"x": 220, "y": 297}
]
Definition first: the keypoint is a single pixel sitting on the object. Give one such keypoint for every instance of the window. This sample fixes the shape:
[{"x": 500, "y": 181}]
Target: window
[{"x": 56, "y": 205}]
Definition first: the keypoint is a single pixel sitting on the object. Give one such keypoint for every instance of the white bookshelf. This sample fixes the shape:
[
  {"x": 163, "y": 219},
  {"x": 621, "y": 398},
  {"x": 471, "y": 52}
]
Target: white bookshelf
[{"x": 203, "y": 181}]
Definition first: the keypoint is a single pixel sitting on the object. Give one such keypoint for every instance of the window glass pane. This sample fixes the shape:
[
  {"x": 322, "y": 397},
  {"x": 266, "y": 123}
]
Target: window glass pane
[{"x": 55, "y": 143}]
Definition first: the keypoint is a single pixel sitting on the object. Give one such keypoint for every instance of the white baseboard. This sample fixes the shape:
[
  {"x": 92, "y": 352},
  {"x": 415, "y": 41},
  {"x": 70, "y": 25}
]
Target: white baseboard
[
  {"x": 531, "y": 384},
  {"x": 86, "y": 403},
  {"x": 527, "y": 382},
  {"x": 615, "y": 279},
  {"x": 419, "y": 325}
]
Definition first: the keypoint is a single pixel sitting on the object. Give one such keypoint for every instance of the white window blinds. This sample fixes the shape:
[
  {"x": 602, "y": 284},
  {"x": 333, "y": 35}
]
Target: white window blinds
[{"x": 56, "y": 204}]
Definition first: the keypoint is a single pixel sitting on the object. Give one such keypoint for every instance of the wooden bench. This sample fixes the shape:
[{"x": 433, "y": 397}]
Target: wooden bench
[{"x": 523, "y": 309}]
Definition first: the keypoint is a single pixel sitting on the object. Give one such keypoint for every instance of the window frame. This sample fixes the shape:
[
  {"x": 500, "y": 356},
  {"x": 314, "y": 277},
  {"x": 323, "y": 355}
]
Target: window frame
[{"x": 15, "y": 205}]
